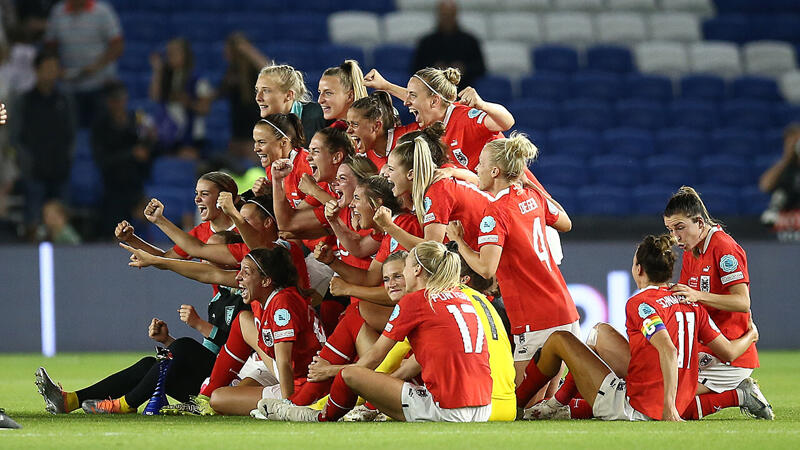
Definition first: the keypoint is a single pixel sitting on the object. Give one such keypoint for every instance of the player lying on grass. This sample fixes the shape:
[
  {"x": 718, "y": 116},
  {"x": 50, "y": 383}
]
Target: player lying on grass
[
  {"x": 433, "y": 315},
  {"x": 664, "y": 334},
  {"x": 281, "y": 326},
  {"x": 192, "y": 361}
]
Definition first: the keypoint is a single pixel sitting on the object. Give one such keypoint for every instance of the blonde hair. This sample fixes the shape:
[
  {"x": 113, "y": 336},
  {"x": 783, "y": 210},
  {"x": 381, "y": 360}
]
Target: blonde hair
[
  {"x": 512, "y": 154},
  {"x": 443, "y": 83},
  {"x": 350, "y": 76},
  {"x": 288, "y": 79},
  {"x": 424, "y": 170},
  {"x": 443, "y": 267}
]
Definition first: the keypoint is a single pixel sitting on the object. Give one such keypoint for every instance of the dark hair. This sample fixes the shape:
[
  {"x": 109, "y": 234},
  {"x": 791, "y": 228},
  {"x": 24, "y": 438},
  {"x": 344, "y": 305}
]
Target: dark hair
[
  {"x": 433, "y": 136},
  {"x": 399, "y": 255},
  {"x": 656, "y": 257},
  {"x": 264, "y": 203},
  {"x": 224, "y": 182},
  {"x": 229, "y": 237},
  {"x": 337, "y": 140},
  {"x": 378, "y": 187},
  {"x": 687, "y": 202},
  {"x": 113, "y": 89},
  {"x": 476, "y": 281},
  {"x": 378, "y": 105},
  {"x": 276, "y": 264},
  {"x": 43, "y": 56},
  {"x": 289, "y": 124}
]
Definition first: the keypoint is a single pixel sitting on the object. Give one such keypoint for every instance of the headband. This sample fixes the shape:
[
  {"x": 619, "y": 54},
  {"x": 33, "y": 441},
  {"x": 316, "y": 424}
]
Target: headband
[
  {"x": 430, "y": 87},
  {"x": 420, "y": 262},
  {"x": 262, "y": 208},
  {"x": 274, "y": 126},
  {"x": 260, "y": 269}
]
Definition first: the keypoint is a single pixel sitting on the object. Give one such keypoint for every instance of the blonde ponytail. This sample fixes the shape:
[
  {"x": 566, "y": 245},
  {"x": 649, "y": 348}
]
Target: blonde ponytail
[
  {"x": 512, "y": 155},
  {"x": 288, "y": 79},
  {"x": 442, "y": 267},
  {"x": 424, "y": 171},
  {"x": 350, "y": 76}
]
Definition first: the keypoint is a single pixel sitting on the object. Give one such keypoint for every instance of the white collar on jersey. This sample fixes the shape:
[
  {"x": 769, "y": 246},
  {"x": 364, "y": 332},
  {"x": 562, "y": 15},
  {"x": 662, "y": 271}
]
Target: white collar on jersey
[
  {"x": 713, "y": 230},
  {"x": 271, "y": 296},
  {"x": 502, "y": 193},
  {"x": 449, "y": 113},
  {"x": 230, "y": 228},
  {"x": 292, "y": 154},
  {"x": 389, "y": 140}
]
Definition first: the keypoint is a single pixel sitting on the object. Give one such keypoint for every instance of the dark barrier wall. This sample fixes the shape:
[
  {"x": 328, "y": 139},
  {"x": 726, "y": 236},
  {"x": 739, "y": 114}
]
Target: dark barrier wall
[{"x": 102, "y": 304}]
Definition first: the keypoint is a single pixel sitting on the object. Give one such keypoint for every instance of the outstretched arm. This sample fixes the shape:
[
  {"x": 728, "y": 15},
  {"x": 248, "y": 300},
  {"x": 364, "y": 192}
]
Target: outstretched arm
[
  {"x": 198, "y": 271},
  {"x": 498, "y": 118},
  {"x": 373, "y": 79}
]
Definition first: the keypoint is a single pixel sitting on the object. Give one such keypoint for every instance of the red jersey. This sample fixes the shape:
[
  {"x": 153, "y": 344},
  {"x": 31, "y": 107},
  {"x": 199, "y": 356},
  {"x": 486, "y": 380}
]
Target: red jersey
[
  {"x": 449, "y": 199},
  {"x": 650, "y": 310},
  {"x": 288, "y": 317},
  {"x": 290, "y": 184},
  {"x": 239, "y": 251},
  {"x": 389, "y": 245},
  {"x": 447, "y": 338},
  {"x": 203, "y": 231},
  {"x": 325, "y": 186},
  {"x": 534, "y": 292},
  {"x": 466, "y": 134},
  {"x": 721, "y": 264}
]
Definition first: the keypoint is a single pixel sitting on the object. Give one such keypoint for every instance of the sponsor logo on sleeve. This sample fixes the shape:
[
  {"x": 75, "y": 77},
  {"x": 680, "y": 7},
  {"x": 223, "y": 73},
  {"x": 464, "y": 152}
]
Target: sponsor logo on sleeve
[
  {"x": 728, "y": 263},
  {"x": 488, "y": 239},
  {"x": 646, "y": 310},
  {"x": 732, "y": 277},
  {"x": 487, "y": 224},
  {"x": 429, "y": 218},
  {"x": 283, "y": 334},
  {"x": 282, "y": 317}
]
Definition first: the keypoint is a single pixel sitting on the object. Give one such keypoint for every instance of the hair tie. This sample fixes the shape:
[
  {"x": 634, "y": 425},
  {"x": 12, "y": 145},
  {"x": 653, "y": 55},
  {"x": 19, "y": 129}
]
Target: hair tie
[{"x": 274, "y": 126}]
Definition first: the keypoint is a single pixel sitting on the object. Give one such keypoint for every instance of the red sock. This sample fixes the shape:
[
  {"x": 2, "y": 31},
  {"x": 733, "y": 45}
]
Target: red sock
[
  {"x": 534, "y": 380},
  {"x": 341, "y": 400},
  {"x": 340, "y": 347},
  {"x": 567, "y": 390},
  {"x": 329, "y": 312},
  {"x": 580, "y": 409},
  {"x": 310, "y": 392},
  {"x": 370, "y": 405},
  {"x": 230, "y": 359},
  {"x": 707, "y": 404}
]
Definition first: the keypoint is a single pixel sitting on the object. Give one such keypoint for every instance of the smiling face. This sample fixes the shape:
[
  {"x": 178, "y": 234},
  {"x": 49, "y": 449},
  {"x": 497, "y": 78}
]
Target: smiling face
[
  {"x": 397, "y": 174},
  {"x": 252, "y": 214},
  {"x": 363, "y": 212},
  {"x": 205, "y": 197},
  {"x": 252, "y": 283},
  {"x": 363, "y": 131},
  {"x": 412, "y": 274},
  {"x": 270, "y": 98},
  {"x": 687, "y": 231},
  {"x": 423, "y": 104},
  {"x": 334, "y": 98},
  {"x": 267, "y": 147},
  {"x": 484, "y": 170},
  {"x": 323, "y": 163},
  {"x": 344, "y": 185},
  {"x": 393, "y": 280}
]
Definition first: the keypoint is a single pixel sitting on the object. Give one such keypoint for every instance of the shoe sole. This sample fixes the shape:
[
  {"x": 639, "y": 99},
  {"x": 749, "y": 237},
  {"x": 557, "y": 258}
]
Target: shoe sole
[{"x": 42, "y": 381}]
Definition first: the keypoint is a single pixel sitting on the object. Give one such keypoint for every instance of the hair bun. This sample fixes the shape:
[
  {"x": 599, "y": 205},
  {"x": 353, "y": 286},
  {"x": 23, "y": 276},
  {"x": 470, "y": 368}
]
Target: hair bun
[{"x": 453, "y": 75}]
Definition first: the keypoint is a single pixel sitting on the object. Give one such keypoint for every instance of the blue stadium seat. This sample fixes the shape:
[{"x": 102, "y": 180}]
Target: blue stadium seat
[
  {"x": 604, "y": 200},
  {"x": 545, "y": 86},
  {"x": 538, "y": 114},
  {"x": 564, "y": 195},
  {"x": 555, "y": 58},
  {"x": 83, "y": 144},
  {"x": 393, "y": 57},
  {"x": 198, "y": 28},
  {"x": 494, "y": 88},
  {"x": 720, "y": 201},
  {"x": 376, "y": 6},
  {"x": 725, "y": 170},
  {"x": 700, "y": 114},
  {"x": 785, "y": 114},
  {"x": 754, "y": 114},
  {"x": 648, "y": 87},
  {"x": 177, "y": 201},
  {"x": 174, "y": 172},
  {"x": 596, "y": 85},
  {"x": 670, "y": 170},
  {"x": 577, "y": 142},
  {"x": 641, "y": 113},
  {"x": 263, "y": 5},
  {"x": 650, "y": 199},
  {"x": 735, "y": 142},
  {"x": 85, "y": 183},
  {"x": 737, "y": 6},
  {"x": 762, "y": 163},
  {"x": 609, "y": 58},
  {"x": 754, "y": 87},
  {"x": 138, "y": 84},
  {"x": 135, "y": 57},
  {"x": 633, "y": 142},
  {"x": 594, "y": 114},
  {"x": 258, "y": 26},
  {"x": 298, "y": 54},
  {"x": 778, "y": 27},
  {"x": 145, "y": 27},
  {"x": 330, "y": 55},
  {"x": 561, "y": 170},
  {"x": 773, "y": 142},
  {"x": 703, "y": 87},
  {"x": 615, "y": 170},
  {"x": 683, "y": 142},
  {"x": 306, "y": 27},
  {"x": 731, "y": 27},
  {"x": 754, "y": 202}
]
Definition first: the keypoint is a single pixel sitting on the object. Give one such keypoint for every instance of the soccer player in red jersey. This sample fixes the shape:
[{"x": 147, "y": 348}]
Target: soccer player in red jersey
[
  {"x": 714, "y": 274},
  {"x": 431, "y": 94},
  {"x": 512, "y": 231},
  {"x": 664, "y": 334},
  {"x": 339, "y": 87},
  {"x": 374, "y": 126},
  {"x": 447, "y": 338},
  {"x": 278, "y": 137}
]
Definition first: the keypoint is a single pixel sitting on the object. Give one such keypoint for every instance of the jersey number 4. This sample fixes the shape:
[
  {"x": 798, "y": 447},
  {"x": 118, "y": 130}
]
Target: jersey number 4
[
  {"x": 462, "y": 327},
  {"x": 685, "y": 324},
  {"x": 540, "y": 244}
]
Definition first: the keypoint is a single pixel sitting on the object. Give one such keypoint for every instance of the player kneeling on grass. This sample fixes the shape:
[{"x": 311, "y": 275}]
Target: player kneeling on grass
[
  {"x": 434, "y": 315},
  {"x": 664, "y": 334}
]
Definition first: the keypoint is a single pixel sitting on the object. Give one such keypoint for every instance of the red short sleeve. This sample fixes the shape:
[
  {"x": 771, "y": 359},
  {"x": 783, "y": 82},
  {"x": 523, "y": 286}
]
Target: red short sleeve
[
  {"x": 645, "y": 318},
  {"x": 283, "y": 321},
  {"x": 403, "y": 319},
  {"x": 493, "y": 227},
  {"x": 732, "y": 264},
  {"x": 438, "y": 204},
  {"x": 551, "y": 212}
]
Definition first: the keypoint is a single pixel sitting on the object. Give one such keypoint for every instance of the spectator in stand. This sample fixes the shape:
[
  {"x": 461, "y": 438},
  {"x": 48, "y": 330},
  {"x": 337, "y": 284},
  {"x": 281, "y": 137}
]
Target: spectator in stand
[
  {"x": 44, "y": 136},
  {"x": 450, "y": 46},
  {"x": 8, "y": 19},
  {"x": 185, "y": 98},
  {"x": 88, "y": 37},
  {"x": 55, "y": 225},
  {"x": 121, "y": 147},
  {"x": 244, "y": 62},
  {"x": 782, "y": 180},
  {"x": 32, "y": 15}
]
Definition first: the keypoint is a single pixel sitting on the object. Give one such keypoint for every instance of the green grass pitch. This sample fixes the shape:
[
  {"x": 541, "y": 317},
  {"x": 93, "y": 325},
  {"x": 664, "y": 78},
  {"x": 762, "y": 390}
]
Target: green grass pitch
[{"x": 779, "y": 378}]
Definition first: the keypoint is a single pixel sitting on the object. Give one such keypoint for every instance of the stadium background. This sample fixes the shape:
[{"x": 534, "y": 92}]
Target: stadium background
[{"x": 626, "y": 99}]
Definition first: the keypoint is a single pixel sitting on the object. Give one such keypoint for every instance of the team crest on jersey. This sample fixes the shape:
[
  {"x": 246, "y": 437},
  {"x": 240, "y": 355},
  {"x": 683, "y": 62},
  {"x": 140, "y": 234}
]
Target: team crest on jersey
[
  {"x": 705, "y": 360},
  {"x": 392, "y": 245},
  {"x": 229, "y": 314},
  {"x": 266, "y": 336},
  {"x": 426, "y": 203},
  {"x": 473, "y": 113},
  {"x": 487, "y": 224},
  {"x": 728, "y": 263},
  {"x": 646, "y": 310},
  {"x": 705, "y": 283},
  {"x": 282, "y": 317},
  {"x": 460, "y": 157},
  {"x": 395, "y": 313}
]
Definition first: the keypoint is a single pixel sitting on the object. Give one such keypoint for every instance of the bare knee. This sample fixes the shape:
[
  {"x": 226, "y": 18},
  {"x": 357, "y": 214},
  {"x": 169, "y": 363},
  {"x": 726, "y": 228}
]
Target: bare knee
[{"x": 217, "y": 400}]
